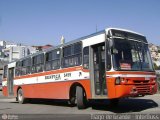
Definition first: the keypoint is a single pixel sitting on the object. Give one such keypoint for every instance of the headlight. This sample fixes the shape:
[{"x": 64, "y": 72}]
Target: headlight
[{"x": 120, "y": 80}]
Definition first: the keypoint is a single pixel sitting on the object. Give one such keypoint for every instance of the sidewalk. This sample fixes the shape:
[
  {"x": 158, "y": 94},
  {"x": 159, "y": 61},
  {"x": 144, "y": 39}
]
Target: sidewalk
[
  {"x": 7, "y": 99},
  {"x": 3, "y": 98}
]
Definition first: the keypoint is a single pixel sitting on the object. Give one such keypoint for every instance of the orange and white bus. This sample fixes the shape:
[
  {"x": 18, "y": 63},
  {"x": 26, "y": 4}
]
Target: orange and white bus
[{"x": 110, "y": 64}]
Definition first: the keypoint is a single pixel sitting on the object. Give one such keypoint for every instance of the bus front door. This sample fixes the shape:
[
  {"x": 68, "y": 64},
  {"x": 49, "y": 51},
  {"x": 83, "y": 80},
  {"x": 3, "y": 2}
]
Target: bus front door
[
  {"x": 10, "y": 81},
  {"x": 98, "y": 79}
]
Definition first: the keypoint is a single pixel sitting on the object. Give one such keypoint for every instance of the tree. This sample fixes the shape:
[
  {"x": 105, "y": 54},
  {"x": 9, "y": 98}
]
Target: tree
[{"x": 155, "y": 66}]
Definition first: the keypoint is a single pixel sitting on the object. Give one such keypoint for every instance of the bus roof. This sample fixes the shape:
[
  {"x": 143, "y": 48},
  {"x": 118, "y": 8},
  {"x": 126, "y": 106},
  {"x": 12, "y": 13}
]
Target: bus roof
[
  {"x": 125, "y": 30},
  {"x": 78, "y": 40}
]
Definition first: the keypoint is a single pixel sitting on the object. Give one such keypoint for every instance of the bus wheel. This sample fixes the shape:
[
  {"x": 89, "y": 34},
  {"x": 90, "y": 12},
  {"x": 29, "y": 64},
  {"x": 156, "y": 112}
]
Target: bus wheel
[
  {"x": 81, "y": 98},
  {"x": 20, "y": 96},
  {"x": 72, "y": 102}
]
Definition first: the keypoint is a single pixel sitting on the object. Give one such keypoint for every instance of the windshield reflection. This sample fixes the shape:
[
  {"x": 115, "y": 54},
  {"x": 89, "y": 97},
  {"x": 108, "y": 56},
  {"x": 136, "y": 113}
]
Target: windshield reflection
[{"x": 131, "y": 55}]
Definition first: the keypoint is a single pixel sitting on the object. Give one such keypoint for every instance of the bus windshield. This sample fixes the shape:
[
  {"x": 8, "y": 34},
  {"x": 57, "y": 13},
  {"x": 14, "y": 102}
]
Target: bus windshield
[{"x": 131, "y": 55}]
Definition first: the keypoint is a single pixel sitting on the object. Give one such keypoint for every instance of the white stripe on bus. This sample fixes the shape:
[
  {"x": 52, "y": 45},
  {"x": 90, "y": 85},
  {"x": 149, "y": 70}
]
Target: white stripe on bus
[{"x": 131, "y": 75}]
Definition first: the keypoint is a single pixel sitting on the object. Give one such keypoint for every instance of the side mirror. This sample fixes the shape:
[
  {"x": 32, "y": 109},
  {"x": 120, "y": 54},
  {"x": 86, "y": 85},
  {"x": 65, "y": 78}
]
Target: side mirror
[{"x": 108, "y": 36}]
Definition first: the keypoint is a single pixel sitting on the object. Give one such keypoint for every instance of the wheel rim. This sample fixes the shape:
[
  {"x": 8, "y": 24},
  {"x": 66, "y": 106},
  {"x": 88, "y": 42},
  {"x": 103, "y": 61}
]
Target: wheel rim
[{"x": 20, "y": 97}]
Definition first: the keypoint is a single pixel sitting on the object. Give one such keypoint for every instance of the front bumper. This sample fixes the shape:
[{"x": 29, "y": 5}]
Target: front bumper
[{"x": 135, "y": 90}]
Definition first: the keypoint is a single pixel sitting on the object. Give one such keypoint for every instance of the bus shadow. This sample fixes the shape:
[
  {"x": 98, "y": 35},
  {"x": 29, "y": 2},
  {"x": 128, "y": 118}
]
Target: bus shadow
[
  {"x": 53, "y": 102},
  {"x": 126, "y": 105}
]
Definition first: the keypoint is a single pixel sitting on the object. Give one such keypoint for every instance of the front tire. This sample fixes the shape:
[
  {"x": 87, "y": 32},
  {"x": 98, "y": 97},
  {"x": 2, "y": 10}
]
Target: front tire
[
  {"x": 81, "y": 98},
  {"x": 20, "y": 97}
]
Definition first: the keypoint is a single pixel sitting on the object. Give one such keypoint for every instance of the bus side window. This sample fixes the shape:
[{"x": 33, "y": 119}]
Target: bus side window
[
  {"x": 23, "y": 67},
  {"x": 37, "y": 63},
  {"x": 18, "y": 68},
  {"x": 5, "y": 71},
  {"x": 56, "y": 59},
  {"x": 26, "y": 65},
  {"x": 48, "y": 58},
  {"x": 72, "y": 55},
  {"x": 33, "y": 64},
  {"x": 86, "y": 58},
  {"x": 52, "y": 60}
]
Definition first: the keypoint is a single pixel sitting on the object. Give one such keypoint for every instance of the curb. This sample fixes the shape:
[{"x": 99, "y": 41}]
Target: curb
[{"x": 8, "y": 100}]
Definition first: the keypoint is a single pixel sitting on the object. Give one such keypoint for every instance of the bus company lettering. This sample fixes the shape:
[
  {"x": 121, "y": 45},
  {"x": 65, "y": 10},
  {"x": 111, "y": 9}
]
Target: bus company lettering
[
  {"x": 56, "y": 77},
  {"x": 67, "y": 74}
]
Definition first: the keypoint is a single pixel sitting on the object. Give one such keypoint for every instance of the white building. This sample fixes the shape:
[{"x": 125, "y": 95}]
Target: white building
[
  {"x": 17, "y": 52},
  {"x": 10, "y": 51},
  {"x": 3, "y": 43}
]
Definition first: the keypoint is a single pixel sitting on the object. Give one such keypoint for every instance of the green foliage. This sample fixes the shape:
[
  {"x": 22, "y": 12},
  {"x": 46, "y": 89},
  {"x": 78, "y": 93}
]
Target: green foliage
[
  {"x": 158, "y": 85},
  {"x": 158, "y": 82},
  {"x": 156, "y": 67}
]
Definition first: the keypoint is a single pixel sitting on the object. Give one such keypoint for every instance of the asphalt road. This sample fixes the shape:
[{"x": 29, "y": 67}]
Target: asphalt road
[{"x": 60, "y": 109}]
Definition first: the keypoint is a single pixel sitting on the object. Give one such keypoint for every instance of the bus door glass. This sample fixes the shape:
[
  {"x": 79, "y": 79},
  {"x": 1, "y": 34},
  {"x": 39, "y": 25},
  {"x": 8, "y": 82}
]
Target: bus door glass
[
  {"x": 10, "y": 81},
  {"x": 99, "y": 69}
]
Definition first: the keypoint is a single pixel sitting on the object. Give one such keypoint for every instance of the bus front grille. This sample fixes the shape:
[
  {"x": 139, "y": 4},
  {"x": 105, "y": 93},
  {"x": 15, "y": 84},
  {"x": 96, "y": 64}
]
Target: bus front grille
[
  {"x": 141, "y": 82},
  {"x": 142, "y": 86},
  {"x": 143, "y": 89}
]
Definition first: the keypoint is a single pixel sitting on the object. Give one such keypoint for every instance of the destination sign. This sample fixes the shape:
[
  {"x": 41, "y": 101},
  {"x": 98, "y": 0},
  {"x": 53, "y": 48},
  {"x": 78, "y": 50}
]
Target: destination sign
[
  {"x": 118, "y": 33},
  {"x": 128, "y": 35}
]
